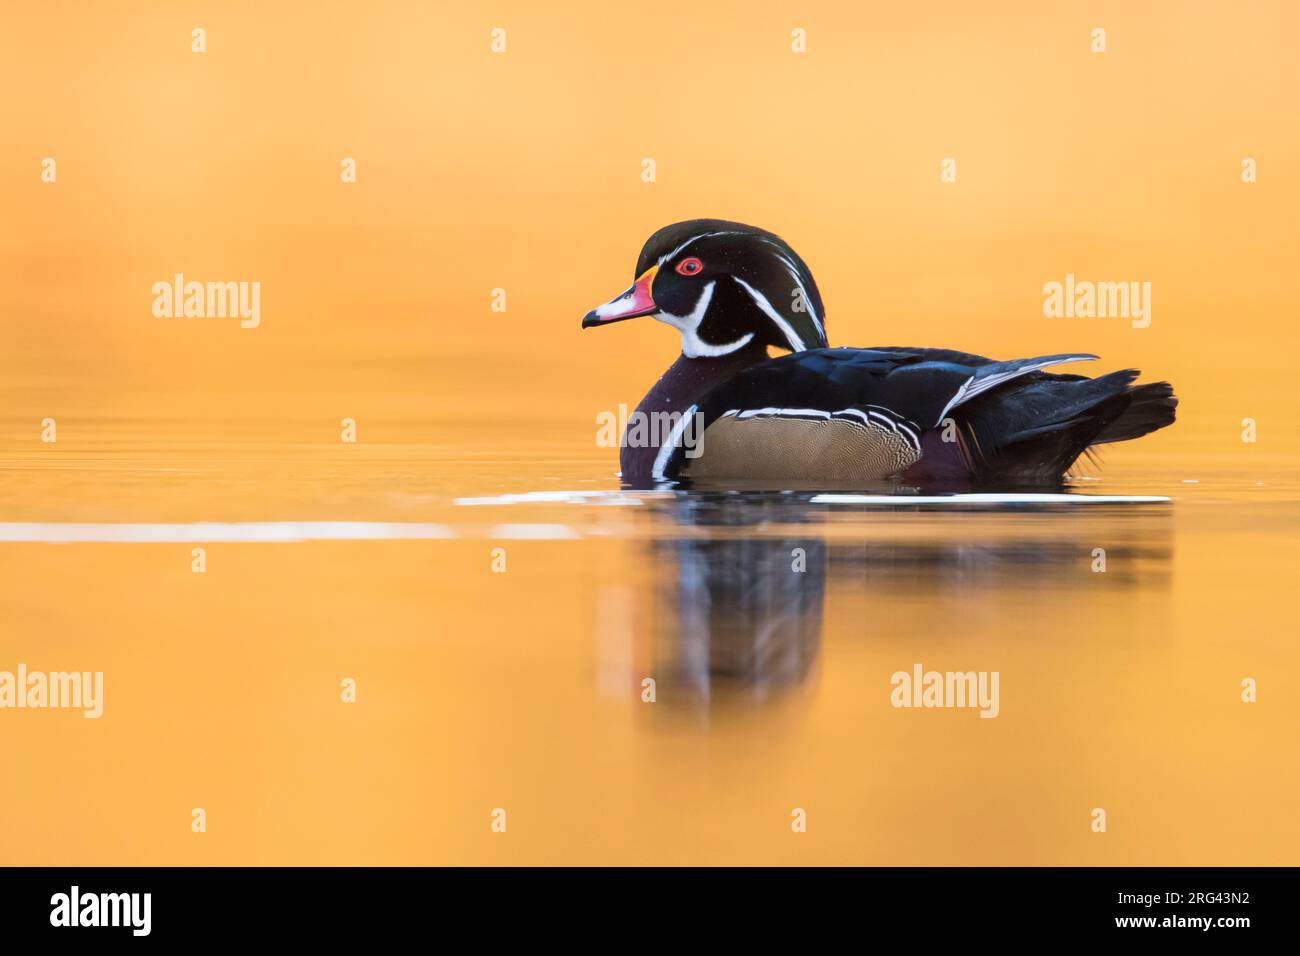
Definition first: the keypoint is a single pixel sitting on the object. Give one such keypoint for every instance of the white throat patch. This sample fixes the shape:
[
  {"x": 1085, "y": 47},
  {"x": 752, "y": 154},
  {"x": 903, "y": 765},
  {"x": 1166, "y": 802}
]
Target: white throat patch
[{"x": 689, "y": 325}]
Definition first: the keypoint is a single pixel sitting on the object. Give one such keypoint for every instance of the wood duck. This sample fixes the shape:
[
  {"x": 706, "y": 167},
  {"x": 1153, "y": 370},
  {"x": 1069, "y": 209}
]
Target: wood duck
[{"x": 825, "y": 415}]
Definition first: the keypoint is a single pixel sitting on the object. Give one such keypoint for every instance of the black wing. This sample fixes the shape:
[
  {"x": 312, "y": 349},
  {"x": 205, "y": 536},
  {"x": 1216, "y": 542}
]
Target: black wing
[{"x": 912, "y": 388}]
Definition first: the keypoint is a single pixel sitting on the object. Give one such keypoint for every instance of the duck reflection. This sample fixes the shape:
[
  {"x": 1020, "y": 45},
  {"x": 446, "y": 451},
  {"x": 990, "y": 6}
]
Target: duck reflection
[
  {"x": 734, "y": 608},
  {"x": 741, "y": 581}
]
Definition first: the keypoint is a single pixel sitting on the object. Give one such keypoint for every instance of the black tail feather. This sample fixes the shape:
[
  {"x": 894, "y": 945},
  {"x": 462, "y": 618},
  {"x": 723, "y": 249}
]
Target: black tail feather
[
  {"x": 1033, "y": 430},
  {"x": 1153, "y": 407}
]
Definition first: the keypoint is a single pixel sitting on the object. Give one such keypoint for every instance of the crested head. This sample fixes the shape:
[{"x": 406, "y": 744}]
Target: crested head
[{"x": 724, "y": 286}]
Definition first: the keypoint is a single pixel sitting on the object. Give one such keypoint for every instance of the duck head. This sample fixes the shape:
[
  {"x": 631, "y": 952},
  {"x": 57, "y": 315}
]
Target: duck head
[{"x": 724, "y": 286}]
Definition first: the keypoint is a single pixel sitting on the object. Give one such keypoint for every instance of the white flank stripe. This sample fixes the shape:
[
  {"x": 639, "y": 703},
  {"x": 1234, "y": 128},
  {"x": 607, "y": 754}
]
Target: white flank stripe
[
  {"x": 889, "y": 422},
  {"x": 869, "y": 418},
  {"x": 913, "y": 435},
  {"x": 785, "y": 412}
]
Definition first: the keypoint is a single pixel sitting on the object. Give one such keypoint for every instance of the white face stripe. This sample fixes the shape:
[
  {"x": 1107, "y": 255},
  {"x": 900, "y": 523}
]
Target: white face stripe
[
  {"x": 695, "y": 347},
  {"x": 791, "y": 268},
  {"x": 692, "y": 322},
  {"x": 689, "y": 325},
  {"x": 704, "y": 235},
  {"x": 796, "y": 343},
  {"x": 780, "y": 254}
]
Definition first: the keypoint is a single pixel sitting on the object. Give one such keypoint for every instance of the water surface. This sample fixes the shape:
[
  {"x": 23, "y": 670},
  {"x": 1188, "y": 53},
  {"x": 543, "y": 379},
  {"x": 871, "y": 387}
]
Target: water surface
[{"x": 770, "y": 623}]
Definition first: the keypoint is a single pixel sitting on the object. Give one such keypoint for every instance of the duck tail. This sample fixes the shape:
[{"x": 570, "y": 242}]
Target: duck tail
[
  {"x": 1033, "y": 434},
  {"x": 1153, "y": 407}
]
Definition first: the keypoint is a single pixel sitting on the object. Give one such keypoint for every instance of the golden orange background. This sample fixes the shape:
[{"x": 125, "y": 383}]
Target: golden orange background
[{"x": 522, "y": 171}]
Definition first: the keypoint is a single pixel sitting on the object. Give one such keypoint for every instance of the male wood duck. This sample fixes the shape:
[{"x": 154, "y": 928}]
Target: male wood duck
[{"x": 826, "y": 415}]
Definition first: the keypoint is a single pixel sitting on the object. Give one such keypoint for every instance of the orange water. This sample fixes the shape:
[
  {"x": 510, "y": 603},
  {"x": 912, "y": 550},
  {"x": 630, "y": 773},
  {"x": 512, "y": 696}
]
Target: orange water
[{"x": 480, "y": 689}]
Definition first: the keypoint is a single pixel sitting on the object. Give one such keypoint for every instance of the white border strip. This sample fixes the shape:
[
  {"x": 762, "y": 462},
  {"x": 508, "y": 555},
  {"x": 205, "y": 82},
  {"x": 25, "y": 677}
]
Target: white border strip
[
  {"x": 252, "y": 531},
  {"x": 292, "y": 531},
  {"x": 258, "y": 532},
  {"x": 554, "y": 497}
]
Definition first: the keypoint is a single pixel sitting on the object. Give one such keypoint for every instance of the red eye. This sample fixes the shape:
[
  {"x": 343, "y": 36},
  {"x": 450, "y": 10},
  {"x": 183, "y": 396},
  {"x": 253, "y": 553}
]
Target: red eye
[{"x": 688, "y": 267}]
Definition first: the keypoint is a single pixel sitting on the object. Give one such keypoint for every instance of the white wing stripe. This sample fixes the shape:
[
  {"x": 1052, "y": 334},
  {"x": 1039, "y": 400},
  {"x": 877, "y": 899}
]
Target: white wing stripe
[{"x": 977, "y": 386}]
